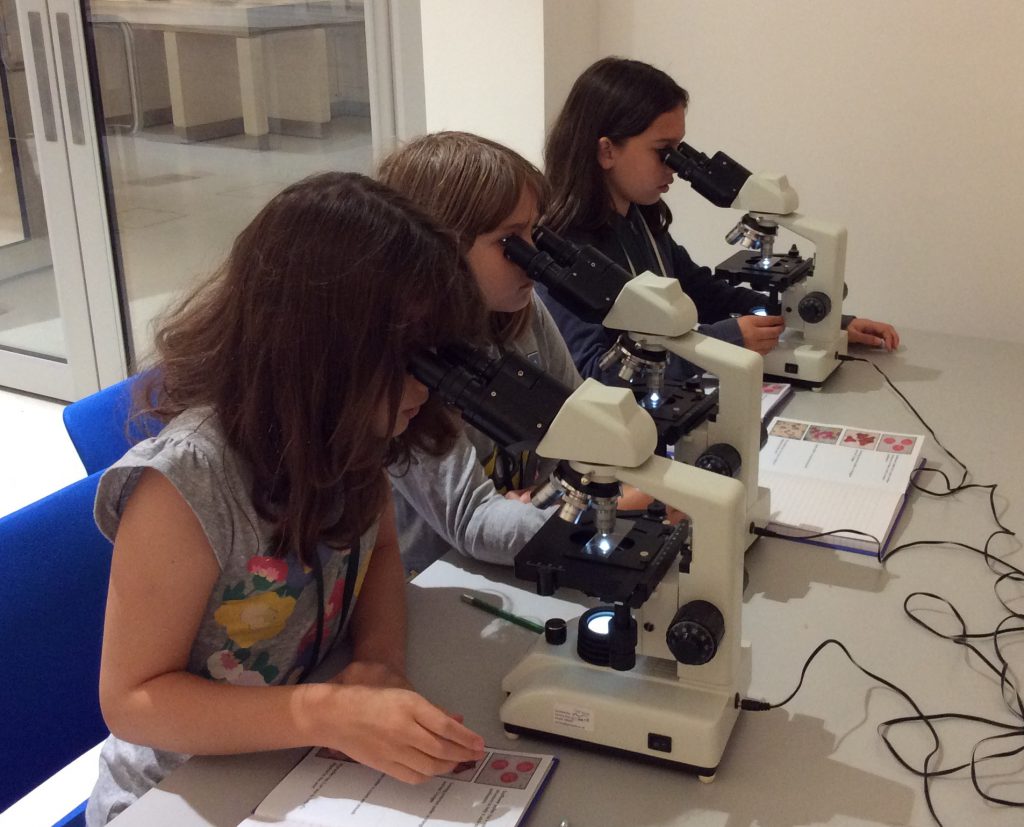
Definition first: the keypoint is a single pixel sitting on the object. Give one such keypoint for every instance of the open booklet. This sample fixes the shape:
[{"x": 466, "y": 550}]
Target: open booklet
[
  {"x": 327, "y": 789},
  {"x": 773, "y": 394},
  {"x": 829, "y": 477}
]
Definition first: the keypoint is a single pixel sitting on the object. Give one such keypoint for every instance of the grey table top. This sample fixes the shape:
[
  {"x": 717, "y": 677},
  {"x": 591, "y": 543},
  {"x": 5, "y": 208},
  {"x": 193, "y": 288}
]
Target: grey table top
[{"x": 819, "y": 760}]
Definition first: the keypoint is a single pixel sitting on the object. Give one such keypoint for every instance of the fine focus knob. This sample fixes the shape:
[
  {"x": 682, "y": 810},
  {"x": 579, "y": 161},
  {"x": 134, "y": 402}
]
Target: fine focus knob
[
  {"x": 814, "y": 307},
  {"x": 695, "y": 632},
  {"x": 555, "y": 631},
  {"x": 720, "y": 458}
]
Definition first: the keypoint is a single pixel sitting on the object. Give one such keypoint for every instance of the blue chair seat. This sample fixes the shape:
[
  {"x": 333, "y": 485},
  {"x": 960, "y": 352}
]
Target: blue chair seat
[{"x": 56, "y": 566}]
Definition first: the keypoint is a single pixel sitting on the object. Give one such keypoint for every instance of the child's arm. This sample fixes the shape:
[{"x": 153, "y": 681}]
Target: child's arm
[
  {"x": 162, "y": 573},
  {"x": 455, "y": 497}
]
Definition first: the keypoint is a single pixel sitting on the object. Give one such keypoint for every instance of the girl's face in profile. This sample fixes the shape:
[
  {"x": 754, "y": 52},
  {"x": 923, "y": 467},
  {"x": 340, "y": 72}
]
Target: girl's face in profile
[
  {"x": 414, "y": 394},
  {"x": 504, "y": 285},
  {"x": 633, "y": 169}
]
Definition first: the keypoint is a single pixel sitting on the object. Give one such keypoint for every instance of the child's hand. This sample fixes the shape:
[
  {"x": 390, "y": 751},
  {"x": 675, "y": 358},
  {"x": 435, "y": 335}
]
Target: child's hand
[
  {"x": 522, "y": 495},
  {"x": 761, "y": 333},
  {"x": 874, "y": 334},
  {"x": 395, "y": 731}
]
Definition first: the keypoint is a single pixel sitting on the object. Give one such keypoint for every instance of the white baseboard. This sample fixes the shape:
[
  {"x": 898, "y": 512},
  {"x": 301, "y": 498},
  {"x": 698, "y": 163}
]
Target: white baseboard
[{"x": 57, "y": 795}]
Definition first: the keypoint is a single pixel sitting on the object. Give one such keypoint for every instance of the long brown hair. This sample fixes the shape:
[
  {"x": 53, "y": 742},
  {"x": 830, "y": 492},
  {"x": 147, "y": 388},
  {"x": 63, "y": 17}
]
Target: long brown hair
[
  {"x": 616, "y": 99},
  {"x": 301, "y": 337},
  {"x": 470, "y": 185}
]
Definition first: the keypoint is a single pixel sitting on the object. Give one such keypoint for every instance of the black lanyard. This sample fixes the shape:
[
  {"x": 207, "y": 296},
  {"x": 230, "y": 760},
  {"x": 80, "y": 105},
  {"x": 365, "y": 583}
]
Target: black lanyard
[{"x": 351, "y": 573}]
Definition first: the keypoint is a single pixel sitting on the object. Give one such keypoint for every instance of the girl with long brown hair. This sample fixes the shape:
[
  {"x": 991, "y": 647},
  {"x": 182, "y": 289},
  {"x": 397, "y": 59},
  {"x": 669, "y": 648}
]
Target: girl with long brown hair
[
  {"x": 256, "y": 528},
  {"x": 604, "y": 159}
]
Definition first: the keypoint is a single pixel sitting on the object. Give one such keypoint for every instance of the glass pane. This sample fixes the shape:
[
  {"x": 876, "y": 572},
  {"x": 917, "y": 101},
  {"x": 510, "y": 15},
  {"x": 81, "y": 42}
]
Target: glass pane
[
  {"x": 211, "y": 107},
  {"x": 29, "y": 310}
]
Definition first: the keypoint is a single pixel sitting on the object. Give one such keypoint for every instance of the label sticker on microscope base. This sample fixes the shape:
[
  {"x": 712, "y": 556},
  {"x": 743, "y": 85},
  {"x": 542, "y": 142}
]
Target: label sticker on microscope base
[{"x": 575, "y": 717}]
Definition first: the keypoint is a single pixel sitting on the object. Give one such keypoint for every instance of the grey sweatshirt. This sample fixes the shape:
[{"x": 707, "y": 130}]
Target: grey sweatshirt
[{"x": 452, "y": 501}]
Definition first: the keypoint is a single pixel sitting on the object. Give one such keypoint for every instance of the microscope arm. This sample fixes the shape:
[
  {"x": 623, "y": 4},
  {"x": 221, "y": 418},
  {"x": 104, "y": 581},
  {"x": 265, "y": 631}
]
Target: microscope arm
[
  {"x": 829, "y": 279},
  {"x": 656, "y": 312},
  {"x": 716, "y": 508},
  {"x": 739, "y": 372}
]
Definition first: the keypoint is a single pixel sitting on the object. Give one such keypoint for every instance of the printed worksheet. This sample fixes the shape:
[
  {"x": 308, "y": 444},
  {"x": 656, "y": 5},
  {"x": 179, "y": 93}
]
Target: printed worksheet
[
  {"x": 772, "y": 396},
  {"x": 327, "y": 789}
]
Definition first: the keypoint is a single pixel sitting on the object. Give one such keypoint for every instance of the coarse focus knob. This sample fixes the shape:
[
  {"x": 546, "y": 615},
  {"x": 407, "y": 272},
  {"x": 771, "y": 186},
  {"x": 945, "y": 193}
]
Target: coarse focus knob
[
  {"x": 814, "y": 307},
  {"x": 720, "y": 458},
  {"x": 695, "y": 632}
]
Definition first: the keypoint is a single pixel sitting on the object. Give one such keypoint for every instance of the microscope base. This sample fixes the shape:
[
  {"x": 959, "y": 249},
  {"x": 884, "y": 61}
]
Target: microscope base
[
  {"x": 799, "y": 362},
  {"x": 647, "y": 711}
]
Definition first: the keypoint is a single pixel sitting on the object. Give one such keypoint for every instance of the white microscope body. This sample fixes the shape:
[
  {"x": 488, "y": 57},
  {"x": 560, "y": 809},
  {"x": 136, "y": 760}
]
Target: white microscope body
[
  {"x": 656, "y": 313},
  {"x": 812, "y": 303},
  {"x": 662, "y": 708},
  {"x": 809, "y": 348}
]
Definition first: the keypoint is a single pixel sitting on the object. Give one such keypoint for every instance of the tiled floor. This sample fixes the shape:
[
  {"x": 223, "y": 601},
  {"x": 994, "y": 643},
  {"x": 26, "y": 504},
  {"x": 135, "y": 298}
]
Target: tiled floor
[{"x": 36, "y": 455}]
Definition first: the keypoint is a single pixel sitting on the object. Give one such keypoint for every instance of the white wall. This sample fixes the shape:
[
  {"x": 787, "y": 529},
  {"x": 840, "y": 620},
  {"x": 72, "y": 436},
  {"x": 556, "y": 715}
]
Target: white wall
[
  {"x": 406, "y": 25},
  {"x": 902, "y": 120},
  {"x": 483, "y": 70},
  {"x": 571, "y": 37}
]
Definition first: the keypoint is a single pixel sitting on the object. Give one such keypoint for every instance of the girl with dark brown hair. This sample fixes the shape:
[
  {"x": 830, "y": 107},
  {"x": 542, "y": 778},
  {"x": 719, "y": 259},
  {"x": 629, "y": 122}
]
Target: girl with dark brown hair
[
  {"x": 257, "y": 529},
  {"x": 604, "y": 159}
]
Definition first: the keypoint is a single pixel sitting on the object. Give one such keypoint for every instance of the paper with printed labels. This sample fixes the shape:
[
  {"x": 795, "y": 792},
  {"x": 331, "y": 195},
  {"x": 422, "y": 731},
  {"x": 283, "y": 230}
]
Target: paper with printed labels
[
  {"x": 828, "y": 477},
  {"x": 327, "y": 789}
]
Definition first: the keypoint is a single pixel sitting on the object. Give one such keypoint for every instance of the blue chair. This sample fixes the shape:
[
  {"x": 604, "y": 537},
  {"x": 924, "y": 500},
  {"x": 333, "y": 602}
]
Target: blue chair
[
  {"x": 99, "y": 425},
  {"x": 56, "y": 566}
]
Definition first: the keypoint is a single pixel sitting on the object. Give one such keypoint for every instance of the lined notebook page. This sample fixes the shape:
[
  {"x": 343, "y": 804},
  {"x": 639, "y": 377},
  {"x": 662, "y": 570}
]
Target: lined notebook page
[{"x": 827, "y": 477}]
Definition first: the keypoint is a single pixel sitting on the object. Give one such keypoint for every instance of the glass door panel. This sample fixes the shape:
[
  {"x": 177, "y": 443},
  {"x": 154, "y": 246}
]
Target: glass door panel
[
  {"x": 29, "y": 310},
  {"x": 34, "y": 339},
  {"x": 210, "y": 108}
]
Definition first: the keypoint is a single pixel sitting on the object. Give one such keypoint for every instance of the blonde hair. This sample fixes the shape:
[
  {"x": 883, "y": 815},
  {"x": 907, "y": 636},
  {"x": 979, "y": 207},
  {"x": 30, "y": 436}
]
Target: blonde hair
[{"x": 469, "y": 185}]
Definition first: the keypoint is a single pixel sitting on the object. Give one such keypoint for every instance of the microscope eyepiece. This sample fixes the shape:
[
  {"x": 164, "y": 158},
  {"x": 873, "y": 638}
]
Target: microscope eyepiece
[
  {"x": 718, "y": 179},
  {"x": 561, "y": 250},
  {"x": 678, "y": 162},
  {"x": 518, "y": 251},
  {"x": 558, "y": 265}
]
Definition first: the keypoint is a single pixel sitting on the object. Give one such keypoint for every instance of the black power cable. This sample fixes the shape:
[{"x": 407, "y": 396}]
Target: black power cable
[{"x": 1011, "y": 624}]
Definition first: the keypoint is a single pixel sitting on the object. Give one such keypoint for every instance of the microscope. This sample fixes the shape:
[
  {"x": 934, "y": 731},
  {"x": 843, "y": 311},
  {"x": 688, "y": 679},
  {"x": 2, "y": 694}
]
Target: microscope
[
  {"x": 657, "y": 670},
  {"x": 654, "y": 317},
  {"x": 807, "y": 293}
]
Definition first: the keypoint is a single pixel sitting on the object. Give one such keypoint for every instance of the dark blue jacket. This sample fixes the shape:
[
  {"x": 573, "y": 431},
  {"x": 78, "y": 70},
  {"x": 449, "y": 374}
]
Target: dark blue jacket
[{"x": 625, "y": 241}]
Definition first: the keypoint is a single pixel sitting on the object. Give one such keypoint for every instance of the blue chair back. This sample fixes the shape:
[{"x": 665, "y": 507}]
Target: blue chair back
[
  {"x": 56, "y": 566},
  {"x": 99, "y": 425}
]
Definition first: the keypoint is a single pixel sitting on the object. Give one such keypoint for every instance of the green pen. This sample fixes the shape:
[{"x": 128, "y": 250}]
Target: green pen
[{"x": 494, "y": 610}]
